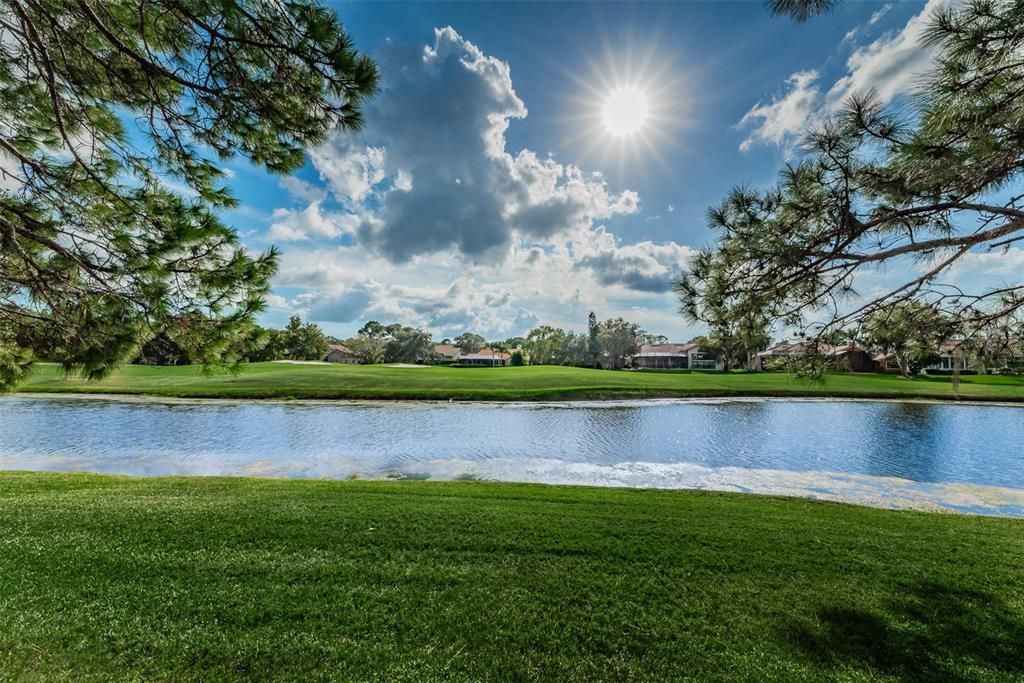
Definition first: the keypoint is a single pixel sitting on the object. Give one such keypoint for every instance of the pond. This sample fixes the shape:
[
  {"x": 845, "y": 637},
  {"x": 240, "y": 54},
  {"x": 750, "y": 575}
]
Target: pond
[{"x": 893, "y": 454}]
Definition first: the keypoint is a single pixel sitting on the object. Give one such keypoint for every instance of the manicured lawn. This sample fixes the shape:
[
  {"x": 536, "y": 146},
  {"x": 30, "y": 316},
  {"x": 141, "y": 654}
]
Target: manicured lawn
[
  {"x": 280, "y": 380},
  {"x": 231, "y": 579}
]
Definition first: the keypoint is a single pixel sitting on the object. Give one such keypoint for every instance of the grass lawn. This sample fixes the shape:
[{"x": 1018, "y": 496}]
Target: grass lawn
[
  {"x": 213, "y": 579},
  {"x": 281, "y": 380}
]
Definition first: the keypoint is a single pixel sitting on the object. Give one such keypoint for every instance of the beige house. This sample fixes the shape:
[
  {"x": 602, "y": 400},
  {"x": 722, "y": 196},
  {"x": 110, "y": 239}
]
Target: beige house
[
  {"x": 849, "y": 356},
  {"x": 339, "y": 353},
  {"x": 447, "y": 353}
]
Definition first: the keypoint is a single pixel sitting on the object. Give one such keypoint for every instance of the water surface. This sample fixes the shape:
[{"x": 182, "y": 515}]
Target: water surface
[{"x": 897, "y": 454}]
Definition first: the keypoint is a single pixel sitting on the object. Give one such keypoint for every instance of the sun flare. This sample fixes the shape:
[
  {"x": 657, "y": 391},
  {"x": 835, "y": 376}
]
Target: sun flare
[
  {"x": 625, "y": 111},
  {"x": 630, "y": 106}
]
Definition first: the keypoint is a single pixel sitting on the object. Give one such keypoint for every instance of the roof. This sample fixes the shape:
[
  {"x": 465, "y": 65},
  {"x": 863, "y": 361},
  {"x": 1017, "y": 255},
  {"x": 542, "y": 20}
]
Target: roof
[
  {"x": 850, "y": 347},
  {"x": 785, "y": 349},
  {"x": 666, "y": 349},
  {"x": 804, "y": 348},
  {"x": 950, "y": 347},
  {"x": 1007, "y": 346},
  {"x": 447, "y": 350},
  {"x": 341, "y": 348}
]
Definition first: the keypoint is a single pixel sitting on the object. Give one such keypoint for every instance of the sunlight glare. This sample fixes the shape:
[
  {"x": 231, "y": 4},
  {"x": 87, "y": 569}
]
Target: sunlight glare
[{"x": 625, "y": 111}]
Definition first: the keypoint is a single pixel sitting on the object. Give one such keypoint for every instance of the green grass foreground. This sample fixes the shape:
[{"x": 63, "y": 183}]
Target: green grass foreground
[
  {"x": 282, "y": 380},
  {"x": 241, "y": 579}
]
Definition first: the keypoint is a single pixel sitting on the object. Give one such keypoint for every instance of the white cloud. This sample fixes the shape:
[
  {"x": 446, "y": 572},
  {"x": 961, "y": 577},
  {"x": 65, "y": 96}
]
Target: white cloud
[
  {"x": 644, "y": 267},
  {"x": 353, "y": 174},
  {"x": 276, "y": 302},
  {"x": 312, "y": 222},
  {"x": 434, "y": 167},
  {"x": 300, "y": 189},
  {"x": 891, "y": 65},
  {"x": 785, "y": 117},
  {"x": 448, "y": 297},
  {"x": 878, "y": 14},
  {"x": 991, "y": 264}
]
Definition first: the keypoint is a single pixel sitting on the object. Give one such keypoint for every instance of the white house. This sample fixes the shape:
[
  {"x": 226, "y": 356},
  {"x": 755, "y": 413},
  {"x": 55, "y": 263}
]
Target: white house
[{"x": 486, "y": 358}]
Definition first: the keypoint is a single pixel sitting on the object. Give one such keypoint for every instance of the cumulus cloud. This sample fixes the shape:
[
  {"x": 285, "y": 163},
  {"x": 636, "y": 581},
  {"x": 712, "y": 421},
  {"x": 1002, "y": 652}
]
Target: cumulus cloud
[
  {"x": 891, "y": 65},
  {"x": 645, "y": 266},
  {"x": 352, "y": 173},
  {"x": 463, "y": 304},
  {"x": 433, "y": 161},
  {"x": 311, "y": 222}
]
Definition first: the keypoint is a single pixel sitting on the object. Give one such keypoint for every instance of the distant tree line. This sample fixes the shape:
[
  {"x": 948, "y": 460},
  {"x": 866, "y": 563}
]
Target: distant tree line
[{"x": 608, "y": 344}]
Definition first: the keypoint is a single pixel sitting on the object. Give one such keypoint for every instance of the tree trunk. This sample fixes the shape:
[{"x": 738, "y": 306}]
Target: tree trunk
[{"x": 904, "y": 363}]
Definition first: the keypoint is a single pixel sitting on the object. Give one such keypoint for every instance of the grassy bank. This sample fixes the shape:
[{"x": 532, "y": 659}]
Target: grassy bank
[
  {"x": 209, "y": 579},
  {"x": 281, "y": 380}
]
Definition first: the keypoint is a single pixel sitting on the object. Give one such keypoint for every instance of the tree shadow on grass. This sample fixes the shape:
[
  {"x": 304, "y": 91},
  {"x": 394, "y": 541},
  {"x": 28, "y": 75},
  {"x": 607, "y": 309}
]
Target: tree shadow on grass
[{"x": 930, "y": 632}]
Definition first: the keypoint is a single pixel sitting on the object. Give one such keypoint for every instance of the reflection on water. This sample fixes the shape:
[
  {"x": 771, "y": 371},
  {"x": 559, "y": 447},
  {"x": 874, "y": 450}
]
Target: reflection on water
[
  {"x": 905, "y": 438},
  {"x": 923, "y": 443}
]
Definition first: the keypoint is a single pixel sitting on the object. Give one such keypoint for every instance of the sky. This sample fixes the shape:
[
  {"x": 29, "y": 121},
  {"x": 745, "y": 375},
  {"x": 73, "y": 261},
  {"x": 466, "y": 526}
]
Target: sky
[{"x": 495, "y": 186}]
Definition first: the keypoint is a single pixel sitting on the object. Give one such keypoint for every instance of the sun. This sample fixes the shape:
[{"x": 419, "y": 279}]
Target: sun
[
  {"x": 631, "y": 106},
  {"x": 625, "y": 111}
]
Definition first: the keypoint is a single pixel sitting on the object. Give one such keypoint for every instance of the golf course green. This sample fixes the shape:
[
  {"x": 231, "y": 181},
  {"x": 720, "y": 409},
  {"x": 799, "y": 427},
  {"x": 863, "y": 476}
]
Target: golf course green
[
  {"x": 118, "y": 578},
  {"x": 323, "y": 381}
]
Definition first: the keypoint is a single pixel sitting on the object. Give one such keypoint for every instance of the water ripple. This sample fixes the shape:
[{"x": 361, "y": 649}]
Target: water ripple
[{"x": 626, "y": 442}]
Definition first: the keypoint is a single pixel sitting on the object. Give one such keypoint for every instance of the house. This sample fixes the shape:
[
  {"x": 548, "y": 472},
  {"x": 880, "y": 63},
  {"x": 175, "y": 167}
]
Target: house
[
  {"x": 447, "y": 353},
  {"x": 850, "y": 356},
  {"x": 486, "y": 358},
  {"x": 776, "y": 356},
  {"x": 339, "y": 353},
  {"x": 951, "y": 355},
  {"x": 993, "y": 356},
  {"x": 675, "y": 357},
  {"x": 853, "y": 358},
  {"x": 885, "y": 362}
]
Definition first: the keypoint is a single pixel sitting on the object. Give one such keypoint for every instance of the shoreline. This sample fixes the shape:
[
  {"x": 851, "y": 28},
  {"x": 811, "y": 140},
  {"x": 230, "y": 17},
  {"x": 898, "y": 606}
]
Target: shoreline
[
  {"x": 862, "y": 491},
  {"x": 610, "y": 401}
]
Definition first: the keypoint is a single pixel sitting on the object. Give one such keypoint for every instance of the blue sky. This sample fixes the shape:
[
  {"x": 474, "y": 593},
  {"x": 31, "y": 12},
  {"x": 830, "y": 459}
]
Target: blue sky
[{"x": 485, "y": 193}]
